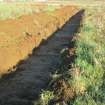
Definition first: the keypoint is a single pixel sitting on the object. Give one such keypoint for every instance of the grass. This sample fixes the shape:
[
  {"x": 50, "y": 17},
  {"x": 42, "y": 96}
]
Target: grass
[
  {"x": 8, "y": 11},
  {"x": 90, "y": 46},
  {"x": 87, "y": 74},
  {"x": 15, "y": 10}
]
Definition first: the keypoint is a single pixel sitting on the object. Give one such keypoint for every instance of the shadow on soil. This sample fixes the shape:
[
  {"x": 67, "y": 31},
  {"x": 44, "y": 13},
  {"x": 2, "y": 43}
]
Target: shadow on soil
[{"x": 74, "y": 25}]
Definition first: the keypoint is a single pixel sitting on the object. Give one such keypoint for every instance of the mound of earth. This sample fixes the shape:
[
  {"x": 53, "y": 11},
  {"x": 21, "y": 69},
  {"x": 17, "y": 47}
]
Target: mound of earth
[{"x": 20, "y": 36}]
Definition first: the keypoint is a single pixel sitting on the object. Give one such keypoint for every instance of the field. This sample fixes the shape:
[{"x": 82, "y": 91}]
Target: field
[
  {"x": 12, "y": 11},
  {"x": 52, "y": 53}
]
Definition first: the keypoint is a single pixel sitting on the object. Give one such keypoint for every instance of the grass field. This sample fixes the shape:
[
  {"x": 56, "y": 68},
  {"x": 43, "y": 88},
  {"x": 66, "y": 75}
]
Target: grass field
[
  {"x": 15, "y": 10},
  {"x": 91, "y": 59}
]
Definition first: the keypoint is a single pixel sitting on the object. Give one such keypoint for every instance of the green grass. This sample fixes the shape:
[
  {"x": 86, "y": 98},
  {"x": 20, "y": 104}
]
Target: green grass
[
  {"x": 8, "y": 11},
  {"x": 15, "y": 10},
  {"x": 90, "y": 46}
]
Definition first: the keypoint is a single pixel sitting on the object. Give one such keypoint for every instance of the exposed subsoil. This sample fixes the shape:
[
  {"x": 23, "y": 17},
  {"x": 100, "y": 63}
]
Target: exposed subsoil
[
  {"x": 33, "y": 74},
  {"x": 20, "y": 36}
]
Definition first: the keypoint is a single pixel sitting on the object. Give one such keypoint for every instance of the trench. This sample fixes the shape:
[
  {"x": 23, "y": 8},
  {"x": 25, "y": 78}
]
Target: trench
[{"x": 34, "y": 73}]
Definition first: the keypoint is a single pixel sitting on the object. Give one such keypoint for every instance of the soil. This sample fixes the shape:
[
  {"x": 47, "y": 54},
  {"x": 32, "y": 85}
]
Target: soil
[
  {"x": 33, "y": 74},
  {"x": 19, "y": 37}
]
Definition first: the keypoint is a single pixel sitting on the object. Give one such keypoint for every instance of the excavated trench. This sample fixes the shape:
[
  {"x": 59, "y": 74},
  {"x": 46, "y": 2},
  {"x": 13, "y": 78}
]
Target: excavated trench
[{"x": 33, "y": 74}]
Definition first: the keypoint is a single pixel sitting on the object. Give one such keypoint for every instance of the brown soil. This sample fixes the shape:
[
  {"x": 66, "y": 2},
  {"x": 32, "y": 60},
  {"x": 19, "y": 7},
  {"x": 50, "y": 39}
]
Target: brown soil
[
  {"x": 19, "y": 37},
  {"x": 33, "y": 75}
]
